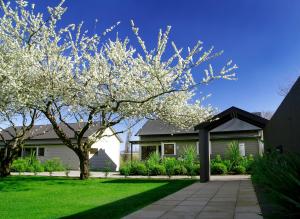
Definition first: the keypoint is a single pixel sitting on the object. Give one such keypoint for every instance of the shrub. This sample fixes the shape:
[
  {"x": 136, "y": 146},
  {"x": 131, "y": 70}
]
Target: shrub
[
  {"x": 29, "y": 169},
  {"x": 247, "y": 162},
  {"x": 153, "y": 165},
  {"x": 193, "y": 169},
  {"x": 189, "y": 159},
  {"x": 218, "y": 159},
  {"x": 197, "y": 169},
  {"x": 125, "y": 170},
  {"x": 218, "y": 168},
  {"x": 239, "y": 169},
  {"x": 53, "y": 165},
  {"x": 279, "y": 176},
  {"x": 228, "y": 165},
  {"x": 156, "y": 169},
  {"x": 138, "y": 168},
  {"x": 27, "y": 164},
  {"x": 190, "y": 169},
  {"x": 233, "y": 153},
  {"x": 153, "y": 159},
  {"x": 179, "y": 169},
  {"x": 235, "y": 163},
  {"x": 19, "y": 165},
  {"x": 34, "y": 165},
  {"x": 38, "y": 167},
  {"x": 189, "y": 155},
  {"x": 169, "y": 165}
]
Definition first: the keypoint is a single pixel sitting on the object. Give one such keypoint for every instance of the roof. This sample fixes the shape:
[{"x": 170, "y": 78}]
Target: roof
[
  {"x": 232, "y": 119},
  {"x": 41, "y": 132},
  {"x": 235, "y": 124},
  {"x": 159, "y": 127},
  {"x": 240, "y": 118}
]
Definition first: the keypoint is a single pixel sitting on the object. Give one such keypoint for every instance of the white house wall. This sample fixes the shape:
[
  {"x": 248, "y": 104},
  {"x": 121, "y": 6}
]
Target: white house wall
[
  {"x": 110, "y": 145},
  {"x": 108, "y": 149}
]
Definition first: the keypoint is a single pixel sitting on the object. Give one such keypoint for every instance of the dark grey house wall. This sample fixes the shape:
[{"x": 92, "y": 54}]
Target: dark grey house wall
[
  {"x": 101, "y": 161},
  {"x": 284, "y": 127}
]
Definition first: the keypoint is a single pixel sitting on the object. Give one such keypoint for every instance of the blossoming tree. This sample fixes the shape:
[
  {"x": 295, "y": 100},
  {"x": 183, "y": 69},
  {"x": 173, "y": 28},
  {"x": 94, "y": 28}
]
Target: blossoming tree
[
  {"x": 99, "y": 82},
  {"x": 16, "y": 120}
]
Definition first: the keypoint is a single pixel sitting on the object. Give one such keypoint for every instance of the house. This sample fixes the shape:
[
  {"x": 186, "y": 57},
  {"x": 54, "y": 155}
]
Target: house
[
  {"x": 164, "y": 139},
  {"x": 45, "y": 144},
  {"x": 282, "y": 131},
  {"x": 230, "y": 125}
]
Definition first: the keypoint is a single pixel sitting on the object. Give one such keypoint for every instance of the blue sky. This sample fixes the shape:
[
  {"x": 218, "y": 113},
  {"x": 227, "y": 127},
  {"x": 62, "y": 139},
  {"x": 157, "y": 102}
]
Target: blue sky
[{"x": 261, "y": 37}]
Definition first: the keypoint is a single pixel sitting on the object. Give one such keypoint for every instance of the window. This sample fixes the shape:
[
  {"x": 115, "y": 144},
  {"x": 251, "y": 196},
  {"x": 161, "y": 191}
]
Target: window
[
  {"x": 147, "y": 151},
  {"x": 33, "y": 151},
  {"x": 41, "y": 152},
  {"x": 29, "y": 152},
  {"x": 169, "y": 149},
  {"x": 242, "y": 149}
]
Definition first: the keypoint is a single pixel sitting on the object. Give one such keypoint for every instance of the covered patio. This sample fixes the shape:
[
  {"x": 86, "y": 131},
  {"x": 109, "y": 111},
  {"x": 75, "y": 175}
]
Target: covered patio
[{"x": 240, "y": 117}]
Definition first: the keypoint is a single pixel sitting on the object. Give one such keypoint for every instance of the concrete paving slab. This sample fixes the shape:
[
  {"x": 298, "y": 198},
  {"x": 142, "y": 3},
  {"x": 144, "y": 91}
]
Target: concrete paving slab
[
  {"x": 177, "y": 214},
  {"x": 232, "y": 199},
  {"x": 247, "y": 216},
  {"x": 215, "y": 215}
]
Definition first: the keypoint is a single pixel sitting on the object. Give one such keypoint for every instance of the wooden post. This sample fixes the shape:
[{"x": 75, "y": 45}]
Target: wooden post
[{"x": 204, "y": 155}]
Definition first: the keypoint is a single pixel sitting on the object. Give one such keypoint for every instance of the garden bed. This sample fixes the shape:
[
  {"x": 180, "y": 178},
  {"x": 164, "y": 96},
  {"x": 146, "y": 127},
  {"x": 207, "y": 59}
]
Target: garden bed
[
  {"x": 276, "y": 178},
  {"x": 188, "y": 164}
]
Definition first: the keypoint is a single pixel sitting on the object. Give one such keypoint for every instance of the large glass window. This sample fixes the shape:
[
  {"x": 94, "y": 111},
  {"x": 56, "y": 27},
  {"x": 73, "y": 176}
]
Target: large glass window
[{"x": 169, "y": 149}]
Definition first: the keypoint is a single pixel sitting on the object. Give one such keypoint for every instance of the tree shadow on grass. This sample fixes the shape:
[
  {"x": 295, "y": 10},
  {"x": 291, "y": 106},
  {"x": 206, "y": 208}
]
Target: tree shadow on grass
[{"x": 122, "y": 207}]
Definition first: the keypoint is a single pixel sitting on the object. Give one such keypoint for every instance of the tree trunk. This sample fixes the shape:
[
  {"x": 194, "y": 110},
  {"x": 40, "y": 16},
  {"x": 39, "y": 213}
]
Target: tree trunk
[
  {"x": 7, "y": 156},
  {"x": 5, "y": 167},
  {"x": 84, "y": 164}
]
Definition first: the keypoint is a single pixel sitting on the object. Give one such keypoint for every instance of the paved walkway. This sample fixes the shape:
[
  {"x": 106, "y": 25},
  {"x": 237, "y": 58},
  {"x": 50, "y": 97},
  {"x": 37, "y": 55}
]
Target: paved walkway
[{"x": 227, "y": 198}]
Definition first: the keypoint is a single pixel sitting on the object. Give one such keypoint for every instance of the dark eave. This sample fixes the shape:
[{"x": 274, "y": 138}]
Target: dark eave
[{"x": 232, "y": 112}]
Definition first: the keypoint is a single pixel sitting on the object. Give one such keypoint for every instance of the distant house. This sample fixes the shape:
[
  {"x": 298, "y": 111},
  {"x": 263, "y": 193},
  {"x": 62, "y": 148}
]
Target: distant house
[
  {"x": 164, "y": 139},
  {"x": 45, "y": 144},
  {"x": 230, "y": 125},
  {"x": 282, "y": 131}
]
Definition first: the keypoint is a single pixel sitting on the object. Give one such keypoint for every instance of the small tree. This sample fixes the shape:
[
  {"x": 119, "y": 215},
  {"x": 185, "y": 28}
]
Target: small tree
[
  {"x": 75, "y": 77},
  {"x": 13, "y": 138},
  {"x": 15, "y": 118}
]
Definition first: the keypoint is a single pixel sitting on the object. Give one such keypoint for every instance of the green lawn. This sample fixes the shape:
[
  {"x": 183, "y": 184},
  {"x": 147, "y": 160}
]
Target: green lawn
[{"x": 50, "y": 197}]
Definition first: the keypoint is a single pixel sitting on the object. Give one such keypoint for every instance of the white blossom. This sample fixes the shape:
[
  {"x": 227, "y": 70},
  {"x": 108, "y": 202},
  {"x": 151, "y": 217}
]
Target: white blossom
[{"x": 46, "y": 66}]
